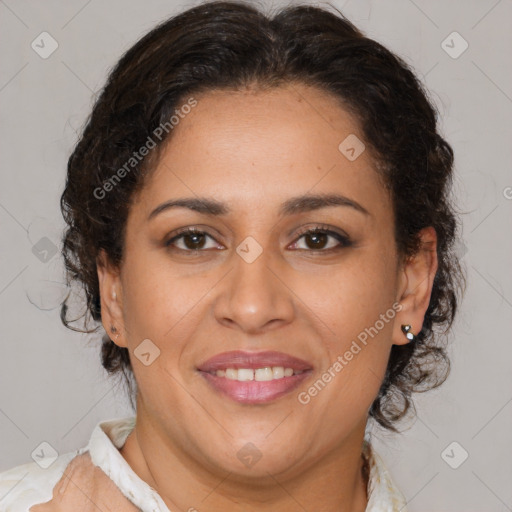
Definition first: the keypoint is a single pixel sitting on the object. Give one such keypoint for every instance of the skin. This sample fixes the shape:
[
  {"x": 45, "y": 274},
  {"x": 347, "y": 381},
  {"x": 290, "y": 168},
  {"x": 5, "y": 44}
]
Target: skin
[{"x": 253, "y": 150}]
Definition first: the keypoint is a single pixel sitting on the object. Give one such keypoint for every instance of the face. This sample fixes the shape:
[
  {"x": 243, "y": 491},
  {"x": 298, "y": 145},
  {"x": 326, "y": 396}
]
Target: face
[{"x": 255, "y": 276}]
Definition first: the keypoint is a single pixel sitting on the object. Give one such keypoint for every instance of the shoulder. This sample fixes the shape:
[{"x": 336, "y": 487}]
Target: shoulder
[{"x": 30, "y": 484}]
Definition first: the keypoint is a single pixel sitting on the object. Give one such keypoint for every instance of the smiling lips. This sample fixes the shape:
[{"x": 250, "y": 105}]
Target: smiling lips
[{"x": 254, "y": 377}]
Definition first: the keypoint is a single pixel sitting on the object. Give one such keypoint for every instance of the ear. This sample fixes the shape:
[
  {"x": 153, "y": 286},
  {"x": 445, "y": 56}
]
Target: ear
[
  {"x": 111, "y": 299},
  {"x": 415, "y": 286}
]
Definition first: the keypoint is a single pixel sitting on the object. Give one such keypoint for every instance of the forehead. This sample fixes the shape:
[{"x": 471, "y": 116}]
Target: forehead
[{"x": 253, "y": 148}]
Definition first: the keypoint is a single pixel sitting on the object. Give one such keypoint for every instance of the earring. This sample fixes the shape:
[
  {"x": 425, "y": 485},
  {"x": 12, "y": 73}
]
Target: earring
[
  {"x": 409, "y": 335},
  {"x": 114, "y": 330},
  {"x": 114, "y": 295}
]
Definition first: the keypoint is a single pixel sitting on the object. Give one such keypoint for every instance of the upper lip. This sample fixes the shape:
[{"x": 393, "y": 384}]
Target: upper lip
[{"x": 243, "y": 359}]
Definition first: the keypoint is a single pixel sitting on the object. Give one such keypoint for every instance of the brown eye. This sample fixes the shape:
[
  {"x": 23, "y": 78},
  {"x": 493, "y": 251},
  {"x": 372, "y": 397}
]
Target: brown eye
[
  {"x": 194, "y": 240},
  {"x": 316, "y": 240},
  {"x": 323, "y": 240},
  {"x": 190, "y": 240}
]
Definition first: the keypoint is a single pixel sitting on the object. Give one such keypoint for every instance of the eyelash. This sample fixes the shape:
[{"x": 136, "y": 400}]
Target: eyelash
[{"x": 344, "y": 240}]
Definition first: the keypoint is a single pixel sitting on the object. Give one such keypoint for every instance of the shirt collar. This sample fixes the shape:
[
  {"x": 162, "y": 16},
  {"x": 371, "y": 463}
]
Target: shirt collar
[
  {"x": 106, "y": 439},
  {"x": 383, "y": 495}
]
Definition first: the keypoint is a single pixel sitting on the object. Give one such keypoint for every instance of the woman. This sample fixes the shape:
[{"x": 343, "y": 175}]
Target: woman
[{"x": 258, "y": 211}]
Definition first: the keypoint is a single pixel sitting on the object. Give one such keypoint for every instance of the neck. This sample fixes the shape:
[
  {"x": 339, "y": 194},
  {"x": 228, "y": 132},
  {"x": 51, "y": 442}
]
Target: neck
[{"x": 334, "y": 483}]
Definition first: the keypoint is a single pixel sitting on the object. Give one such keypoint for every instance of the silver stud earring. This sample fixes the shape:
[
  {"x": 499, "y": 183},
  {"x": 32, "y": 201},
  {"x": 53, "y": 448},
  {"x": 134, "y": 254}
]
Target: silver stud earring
[
  {"x": 114, "y": 295},
  {"x": 409, "y": 335}
]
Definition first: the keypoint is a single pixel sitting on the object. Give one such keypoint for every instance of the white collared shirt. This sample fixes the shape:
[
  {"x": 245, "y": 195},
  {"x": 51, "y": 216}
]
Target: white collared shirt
[{"x": 73, "y": 479}]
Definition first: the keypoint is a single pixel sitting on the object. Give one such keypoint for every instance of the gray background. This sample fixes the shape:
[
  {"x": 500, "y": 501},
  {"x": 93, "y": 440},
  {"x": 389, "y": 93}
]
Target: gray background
[{"x": 52, "y": 385}]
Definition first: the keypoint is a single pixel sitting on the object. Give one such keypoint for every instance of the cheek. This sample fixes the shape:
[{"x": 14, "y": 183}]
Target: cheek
[
  {"x": 154, "y": 299},
  {"x": 357, "y": 346},
  {"x": 353, "y": 308},
  {"x": 351, "y": 296},
  {"x": 162, "y": 303}
]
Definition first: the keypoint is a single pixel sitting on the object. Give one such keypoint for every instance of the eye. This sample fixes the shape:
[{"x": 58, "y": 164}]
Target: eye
[
  {"x": 322, "y": 239},
  {"x": 318, "y": 238},
  {"x": 190, "y": 239}
]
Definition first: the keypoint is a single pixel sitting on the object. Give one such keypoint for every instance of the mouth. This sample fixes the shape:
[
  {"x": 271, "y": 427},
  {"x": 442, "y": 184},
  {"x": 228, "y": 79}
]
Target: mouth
[{"x": 254, "y": 377}]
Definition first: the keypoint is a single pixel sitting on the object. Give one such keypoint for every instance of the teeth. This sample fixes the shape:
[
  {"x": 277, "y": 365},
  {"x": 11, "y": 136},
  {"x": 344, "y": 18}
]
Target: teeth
[
  {"x": 260, "y": 374},
  {"x": 277, "y": 372},
  {"x": 263, "y": 374},
  {"x": 245, "y": 374},
  {"x": 231, "y": 374}
]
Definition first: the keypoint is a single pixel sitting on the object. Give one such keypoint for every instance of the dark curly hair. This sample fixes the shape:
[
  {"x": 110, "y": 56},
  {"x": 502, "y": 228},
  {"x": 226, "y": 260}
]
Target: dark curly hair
[{"x": 232, "y": 45}]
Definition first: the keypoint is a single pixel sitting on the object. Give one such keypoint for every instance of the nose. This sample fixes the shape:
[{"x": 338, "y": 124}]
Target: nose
[{"x": 254, "y": 297}]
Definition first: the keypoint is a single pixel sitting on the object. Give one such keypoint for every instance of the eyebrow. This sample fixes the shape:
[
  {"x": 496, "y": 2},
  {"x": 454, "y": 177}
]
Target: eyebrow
[{"x": 294, "y": 205}]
